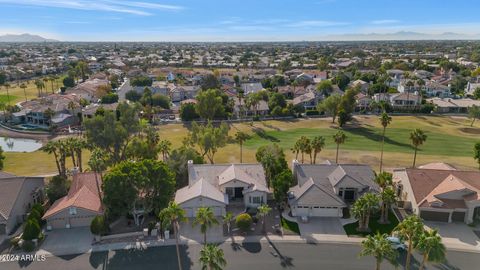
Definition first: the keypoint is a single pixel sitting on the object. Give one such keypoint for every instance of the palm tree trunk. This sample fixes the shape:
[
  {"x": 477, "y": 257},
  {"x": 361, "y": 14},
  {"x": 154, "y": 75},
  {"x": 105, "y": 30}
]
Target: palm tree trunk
[
  {"x": 425, "y": 259},
  {"x": 414, "y": 157},
  {"x": 8, "y": 96},
  {"x": 302, "y": 156},
  {"x": 378, "y": 265},
  {"x": 314, "y": 157},
  {"x": 381, "y": 153},
  {"x": 241, "y": 152},
  {"x": 473, "y": 121},
  {"x": 205, "y": 238},
  {"x": 336, "y": 156},
  {"x": 409, "y": 254},
  {"x": 79, "y": 160},
  {"x": 175, "y": 231}
]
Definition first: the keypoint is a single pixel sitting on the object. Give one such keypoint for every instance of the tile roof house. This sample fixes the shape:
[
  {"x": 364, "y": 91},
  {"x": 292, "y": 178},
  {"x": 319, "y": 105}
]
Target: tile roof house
[
  {"x": 323, "y": 190},
  {"x": 218, "y": 185},
  {"x": 79, "y": 206},
  {"x": 17, "y": 195},
  {"x": 440, "y": 193}
]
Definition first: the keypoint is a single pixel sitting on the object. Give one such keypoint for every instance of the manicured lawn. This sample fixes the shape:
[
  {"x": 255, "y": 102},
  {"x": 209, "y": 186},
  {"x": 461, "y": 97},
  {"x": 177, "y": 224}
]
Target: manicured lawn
[
  {"x": 291, "y": 226},
  {"x": 18, "y": 95},
  {"x": 351, "y": 229},
  {"x": 4, "y": 98}
]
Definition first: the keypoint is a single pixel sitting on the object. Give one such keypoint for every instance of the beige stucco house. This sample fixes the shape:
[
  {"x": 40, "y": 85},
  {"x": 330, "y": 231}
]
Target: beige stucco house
[{"x": 218, "y": 185}]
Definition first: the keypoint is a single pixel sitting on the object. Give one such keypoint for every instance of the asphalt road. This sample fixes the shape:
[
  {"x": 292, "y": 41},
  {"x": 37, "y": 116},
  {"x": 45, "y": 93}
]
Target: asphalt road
[{"x": 239, "y": 256}]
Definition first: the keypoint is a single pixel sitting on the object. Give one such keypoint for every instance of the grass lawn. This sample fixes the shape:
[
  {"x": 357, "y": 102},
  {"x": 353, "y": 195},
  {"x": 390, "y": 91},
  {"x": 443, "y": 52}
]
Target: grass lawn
[
  {"x": 351, "y": 229},
  {"x": 291, "y": 226},
  {"x": 18, "y": 95},
  {"x": 450, "y": 139}
]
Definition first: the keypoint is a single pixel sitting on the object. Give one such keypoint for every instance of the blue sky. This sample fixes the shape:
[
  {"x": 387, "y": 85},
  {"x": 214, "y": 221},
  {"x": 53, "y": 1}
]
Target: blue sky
[{"x": 233, "y": 20}]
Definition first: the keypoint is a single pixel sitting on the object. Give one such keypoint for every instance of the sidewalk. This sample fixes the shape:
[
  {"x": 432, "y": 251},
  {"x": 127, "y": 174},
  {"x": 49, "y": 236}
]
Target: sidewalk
[{"x": 140, "y": 245}]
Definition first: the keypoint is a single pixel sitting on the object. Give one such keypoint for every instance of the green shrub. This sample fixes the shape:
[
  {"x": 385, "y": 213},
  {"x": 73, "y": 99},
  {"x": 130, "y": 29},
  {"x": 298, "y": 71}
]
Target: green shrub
[
  {"x": 244, "y": 221},
  {"x": 151, "y": 226},
  {"x": 28, "y": 246},
  {"x": 312, "y": 112},
  {"x": 39, "y": 208},
  {"x": 35, "y": 215},
  {"x": 99, "y": 226},
  {"x": 31, "y": 230}
]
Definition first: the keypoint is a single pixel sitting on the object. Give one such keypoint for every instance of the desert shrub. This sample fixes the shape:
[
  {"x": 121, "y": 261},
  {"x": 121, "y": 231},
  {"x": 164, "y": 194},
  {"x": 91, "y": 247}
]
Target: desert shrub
[
  {"x": 98, "y": 226},
  {"x": 31, "y": 229},
  {"x": 244, "y": 221}
]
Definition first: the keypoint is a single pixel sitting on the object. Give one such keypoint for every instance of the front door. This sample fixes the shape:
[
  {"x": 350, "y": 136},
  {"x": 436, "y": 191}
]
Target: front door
[{"x": 239, "y": 192}]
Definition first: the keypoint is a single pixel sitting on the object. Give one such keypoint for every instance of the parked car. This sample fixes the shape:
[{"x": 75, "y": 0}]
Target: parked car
[{"x": 396, "y": 243}]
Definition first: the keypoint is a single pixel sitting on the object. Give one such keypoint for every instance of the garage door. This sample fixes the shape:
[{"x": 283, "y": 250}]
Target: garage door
[
  {"x": 58, "y": 223},
  {"x": 188, "y": 212},
  {"x": 458, "y": 216},
  {"x": 217, "y": 210},
  {"x": 324, "y": 212},
  {"x": 434, "y": 216},
  {"x": 80, "y": 221}
]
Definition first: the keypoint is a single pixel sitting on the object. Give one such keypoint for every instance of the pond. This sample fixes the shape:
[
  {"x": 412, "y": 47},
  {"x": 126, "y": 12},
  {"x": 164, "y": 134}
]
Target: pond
[{"x": 19, "y": 145}]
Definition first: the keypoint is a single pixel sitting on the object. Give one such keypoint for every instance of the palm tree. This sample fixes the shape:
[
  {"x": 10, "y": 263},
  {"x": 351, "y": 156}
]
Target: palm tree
[
  {"x": 318, "y": 143},
  {"x": 303, "y": 144},
  {"x": 227, "y": 220},
  {"x": 387, "y": 195},
  {"x": 48, "y": 113},
  {"x": 296, "y": 149},
  {"x": 379, "y": 247},
  {"x": 45, "y": 82},
  {"x": 212, "y": 258},
  {"x": 240, "y": 138},
  {"x": 7, "y": 86},
  {"x": 164, "y": 147},
  {"x": 418, "y": 137},
  {"x": 52, "y": 148},
  {"x": 24, "y": 86},
  {"x": 339, "y": 138},
  {"x": 97, "y": 163},
  {"x": 39, "y": 84},
  {"x": 431, "y": 246},
  {"x": 173, "y": 214},
  {"x": 206, "y": 219},
  {"x": 410, "y": 229},
  {"x": 263, "y": 211},
  {"x": 363, "y": 208},
  {"x": 385, "y": 120}
]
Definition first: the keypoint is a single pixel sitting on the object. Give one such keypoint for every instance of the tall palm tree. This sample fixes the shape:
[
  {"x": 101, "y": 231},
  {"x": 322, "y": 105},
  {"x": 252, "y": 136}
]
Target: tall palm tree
[
  {"x": 379, "y": 247},
  {"x": 410, "y": 229},
  {"x": 173, "y": 214},
  {"x": 24, "y": 87},
  {"x": 98, "y": 164},
  {"x": 7, "y": 86},
  {"x": 212, "y": 258},
  {"x": 387, "y": 194},
  {"x": 385, "y": 120},
  {"x": 418, "y": 137},
  {"x": 39, "y": 84},
  {"x": 363, "y": 208},
  {"x": 51, "y": 79},
  {"x": 339, "y": 138},
  {"x": 431, "y": 246},
  {"x": 52, "y": 148},
  {"x": 318, "y": 143},
  {"x": 206, "y": 219},
  {"x": 240, "y": 138},
  {"x": 227, "y": 220},
  {"x": 45, "y": 82},
  {"x": 296, "y": 149},
  {"x": 263, "y": 211},
  {"x": 164, "y": 146}
]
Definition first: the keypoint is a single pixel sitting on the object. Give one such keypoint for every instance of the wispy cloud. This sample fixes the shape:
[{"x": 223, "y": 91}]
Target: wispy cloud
[
  {"x": 129, "y": 7},
  {"x": 380, "y": 22},
  {"x": 315, "y": 23}
]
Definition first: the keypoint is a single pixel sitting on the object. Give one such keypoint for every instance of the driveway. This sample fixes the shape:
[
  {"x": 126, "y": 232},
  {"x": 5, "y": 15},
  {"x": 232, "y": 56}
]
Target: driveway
[
  {"x": 214, "y": 234},
  {"x": 321, "y": 228},
  {"x": 67, "y": 241},
  {"x": 456, "y": 234}
]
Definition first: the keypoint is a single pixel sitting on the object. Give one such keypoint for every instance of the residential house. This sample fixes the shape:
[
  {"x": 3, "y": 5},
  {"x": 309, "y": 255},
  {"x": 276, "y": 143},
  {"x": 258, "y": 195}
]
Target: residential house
[
  {"x": 361, "y": 85},
  {"x": 79, "y": 206},
  {"x": 220, "y": 185},
  {"x": 181, "y": 93},
  {"x": 323, "y": 190},
  {"x": 64, "y": 110},
  {"x": 363, "y": 101},
  {"x": 433, "y": 89},
  {"x": 439, "y": 193},
  {"x": 405, "y": 99},
  {"x": 308, "y": 100},
  {"x": 17, "y": 195},
  {"x": 249, "y": 88},
  {"x": 450, "y": 105},
  {"x": 88, "y": 89},
  {"x": 470, "y": 88}
]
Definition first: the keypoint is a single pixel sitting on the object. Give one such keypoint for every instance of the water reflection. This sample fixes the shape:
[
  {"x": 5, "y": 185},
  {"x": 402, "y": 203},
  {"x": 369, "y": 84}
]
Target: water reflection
[{"x": 19, "y": 145}]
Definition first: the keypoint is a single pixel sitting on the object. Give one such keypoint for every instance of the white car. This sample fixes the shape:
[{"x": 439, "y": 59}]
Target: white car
[{"x": 396, "y": 243}]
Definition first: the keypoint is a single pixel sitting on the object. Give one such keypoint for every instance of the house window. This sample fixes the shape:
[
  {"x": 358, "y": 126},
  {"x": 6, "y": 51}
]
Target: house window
[
  {"x": 73, "y": 211},
  {"x": 257, "y": 200}
]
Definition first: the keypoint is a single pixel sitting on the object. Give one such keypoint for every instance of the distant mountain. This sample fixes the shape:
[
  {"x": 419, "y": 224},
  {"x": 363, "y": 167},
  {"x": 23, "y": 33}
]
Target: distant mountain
[
  {"x": 24, "y": 38},
  {"x": 402, "y": 35}
]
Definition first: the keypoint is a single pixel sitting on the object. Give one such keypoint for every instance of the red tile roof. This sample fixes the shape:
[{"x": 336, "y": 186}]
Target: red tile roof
[{"x": 83, "y": 193}]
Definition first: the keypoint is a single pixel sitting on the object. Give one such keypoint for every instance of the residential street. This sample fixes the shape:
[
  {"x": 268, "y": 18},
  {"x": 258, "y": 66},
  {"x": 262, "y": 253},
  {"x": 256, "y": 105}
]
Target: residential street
[{"x": 239, "y": 256}]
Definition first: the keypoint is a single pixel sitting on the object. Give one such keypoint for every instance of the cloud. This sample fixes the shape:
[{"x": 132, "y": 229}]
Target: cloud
[
  {"x": 128, "y": 7},
  {"x": 315, "y": 23},
  {"x": 380, "y": 22}
]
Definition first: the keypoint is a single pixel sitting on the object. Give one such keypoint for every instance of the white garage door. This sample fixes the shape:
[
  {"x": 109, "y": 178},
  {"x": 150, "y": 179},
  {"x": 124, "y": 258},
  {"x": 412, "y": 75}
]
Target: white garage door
[
  {"x": 325, "y": 212},
  {"x": 192, "y": 211},
  {"x": 57, "y": 223},
  {"x": 80, "y": 221}
]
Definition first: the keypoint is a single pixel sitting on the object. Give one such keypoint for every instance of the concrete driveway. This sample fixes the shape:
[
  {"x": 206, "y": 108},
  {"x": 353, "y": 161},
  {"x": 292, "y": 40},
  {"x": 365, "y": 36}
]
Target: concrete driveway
[
  {"x": 67, "y": 241},
  {"x": 321, "y": 228},
  {"x": 456, "y": 234},
  {"x": 214, "y": 234}
]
